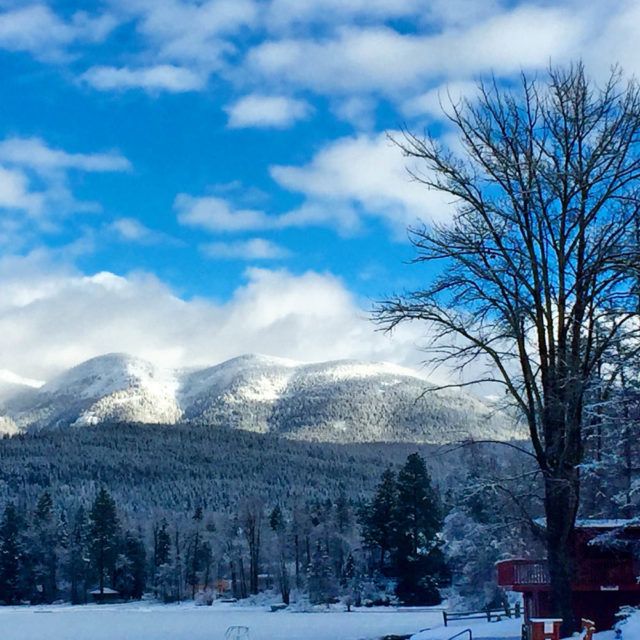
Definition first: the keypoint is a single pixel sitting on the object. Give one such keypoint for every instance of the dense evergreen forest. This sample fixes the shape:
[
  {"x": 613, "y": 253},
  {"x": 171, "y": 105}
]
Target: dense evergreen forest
[
  {"x": 186, "y": 511},
  {"x": 175, "y": 468}
]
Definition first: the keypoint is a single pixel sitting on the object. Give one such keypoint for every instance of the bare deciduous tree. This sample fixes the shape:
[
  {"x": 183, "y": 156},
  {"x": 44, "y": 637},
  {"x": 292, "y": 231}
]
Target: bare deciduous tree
[
  {"x": 541, "y": 262},
  {"x": 251, "y": 517}
]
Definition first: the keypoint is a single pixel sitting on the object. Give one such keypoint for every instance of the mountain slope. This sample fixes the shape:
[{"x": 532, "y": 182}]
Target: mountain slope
[
  {"x": 114, "y": 387},
  {"x": 343, "y": 401}
]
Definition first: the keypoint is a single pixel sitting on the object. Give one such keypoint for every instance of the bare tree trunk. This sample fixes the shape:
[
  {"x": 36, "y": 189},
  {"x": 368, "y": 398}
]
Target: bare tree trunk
[
  {"x": 561, "y": 503},
  {"x": 243, "y": 579},
  {"x": 296, "y": 541},
  {"x": 234, "y": 580}
]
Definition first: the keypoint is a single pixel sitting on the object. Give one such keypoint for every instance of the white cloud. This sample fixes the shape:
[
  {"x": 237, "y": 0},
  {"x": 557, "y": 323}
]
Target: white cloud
[
  {"x": 37, "y": 155},
  {"x": 162, "y": 77},
  {"x": 378, "y": 58},
  {"x": 194, "y": 37},
  {"x": 294, "y": 14},
  {"x": 359, "y": 111},
  {"x": 48, "y": 319},
  {"x": 277, "y": 112},
  {"x": 132, "y": 230},
  {"x": 347, "y": 180},
  {"x": 36, "y": 29},
  {"x": 34, "y": 179},
  {"x": 15, "y": 192},
  {"x": 286, "y": 13},
  {"x": 613, "y": 38},
  {"x": 216, "y": 214},
  {"x": 219, "y": 215},
  {"x": 438, "y": 101},
  {"x": 367, "y": 171},
  {"x": 252, "y": 249}
]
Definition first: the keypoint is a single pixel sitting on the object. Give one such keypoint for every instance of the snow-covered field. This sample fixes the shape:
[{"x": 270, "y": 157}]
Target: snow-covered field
[
  {"x": 189, "y": 622},
  {"x": 149, "y": 621}
]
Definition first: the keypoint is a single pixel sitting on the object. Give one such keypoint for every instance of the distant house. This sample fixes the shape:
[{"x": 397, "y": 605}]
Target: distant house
[
  {"x": 605, "y": 575},
  {"x": 107, "y": 595}
]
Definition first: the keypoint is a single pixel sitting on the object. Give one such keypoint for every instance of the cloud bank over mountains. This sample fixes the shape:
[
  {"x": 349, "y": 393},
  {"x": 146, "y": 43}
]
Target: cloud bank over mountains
[{"x": 53, "y": 316}]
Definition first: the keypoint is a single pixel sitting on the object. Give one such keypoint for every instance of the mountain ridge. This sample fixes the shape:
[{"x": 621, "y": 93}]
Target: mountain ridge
[{"x": 335, "y": 401}]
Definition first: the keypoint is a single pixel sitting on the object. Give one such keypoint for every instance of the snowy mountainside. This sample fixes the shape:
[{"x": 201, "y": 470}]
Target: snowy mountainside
[
  {"x": 342, "y": 401},
  {"x": 114, "y": 387}
]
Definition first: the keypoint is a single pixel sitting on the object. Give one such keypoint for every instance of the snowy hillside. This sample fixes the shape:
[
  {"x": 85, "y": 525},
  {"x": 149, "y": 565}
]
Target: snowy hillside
[
  {"x": 343, "y": 401},
  {"x": 114, "y": 387}
]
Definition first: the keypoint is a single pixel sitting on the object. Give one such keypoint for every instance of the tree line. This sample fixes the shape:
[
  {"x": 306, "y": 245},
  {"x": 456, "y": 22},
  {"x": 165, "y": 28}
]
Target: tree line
[{"x": 382, "y": 550}]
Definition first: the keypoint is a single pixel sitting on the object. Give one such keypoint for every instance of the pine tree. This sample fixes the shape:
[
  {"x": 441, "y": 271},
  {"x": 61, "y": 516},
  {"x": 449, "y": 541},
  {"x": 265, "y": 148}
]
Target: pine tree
[
  {"x": 417, "y": 510},
  {"x": 378, "y": 518},
  {"x": 131, "y": 567},
  {"x": 12, "y": 556},
  {"x": 44, "y": 548},
  {"x": 77, "y": 563},
  {"x": 351, "y": 582},
  {"x": 419, "y": 561},
  {"x": 323, "y": 586},
  {"x": 343, "y": 513},
  {"x": 103, "y": 529},
  {"x": 161, "y": 553}
]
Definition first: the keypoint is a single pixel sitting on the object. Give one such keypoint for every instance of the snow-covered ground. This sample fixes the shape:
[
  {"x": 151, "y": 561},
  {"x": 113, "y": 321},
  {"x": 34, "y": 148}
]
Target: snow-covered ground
[
  {"x": 507, "y": 628},
  {"x": 176, "y": 622},
  {"x": 629, "y": 628},
  {"x": 150, "y": 621}
]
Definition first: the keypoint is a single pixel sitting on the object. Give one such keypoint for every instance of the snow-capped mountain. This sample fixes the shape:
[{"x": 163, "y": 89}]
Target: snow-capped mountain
[{"x": 342, "y": 401}]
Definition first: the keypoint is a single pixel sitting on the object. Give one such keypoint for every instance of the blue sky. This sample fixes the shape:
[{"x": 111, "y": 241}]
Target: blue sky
[{"x": 189, "y": 180}]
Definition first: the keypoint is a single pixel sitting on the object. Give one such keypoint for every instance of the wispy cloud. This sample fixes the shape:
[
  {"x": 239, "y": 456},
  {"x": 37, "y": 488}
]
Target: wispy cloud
[
  {"x": 436, "y": 102},
  {"x": 190, "y": 32},
  {"x": 217, "y": 214},
  {"x": 15, "y": 192},
  {"x": 157, "y": 78},
  {"x": 220, "y": 215},
  {"x": 347, "y": 181},
  {"x": 34, "y": 179},
  {"x": 37, "y": 30},
  {"x": 134, "y": 231},
  {"x": 246, "y": 250},
  {"x": 37, "y": 155},
  {"x": 275, "y": 112}
]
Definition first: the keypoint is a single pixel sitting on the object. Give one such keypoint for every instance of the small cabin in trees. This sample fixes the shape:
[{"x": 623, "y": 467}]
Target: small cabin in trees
[
  {"x": 606, "y": 570},
  {"x": 107, "y": 595}
]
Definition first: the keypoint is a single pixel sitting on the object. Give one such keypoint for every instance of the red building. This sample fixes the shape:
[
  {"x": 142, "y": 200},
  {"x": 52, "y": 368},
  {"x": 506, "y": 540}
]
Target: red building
[{"x": 606, "y": 573}]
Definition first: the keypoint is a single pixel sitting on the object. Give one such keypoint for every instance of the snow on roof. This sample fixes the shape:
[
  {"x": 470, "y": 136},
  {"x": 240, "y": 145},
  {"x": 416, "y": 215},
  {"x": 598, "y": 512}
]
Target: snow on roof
[
  {"x": 106, "y": 592},
  {"x": 587, "y": 523},
  {"x": 597, "y": 523}
]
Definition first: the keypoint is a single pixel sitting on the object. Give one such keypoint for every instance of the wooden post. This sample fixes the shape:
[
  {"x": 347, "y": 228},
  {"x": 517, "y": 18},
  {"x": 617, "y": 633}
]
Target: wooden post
[
  {"x": 588, "y": 628},
  {"x": 517, "y": 610},
  {"x": 444, "y": 615}
]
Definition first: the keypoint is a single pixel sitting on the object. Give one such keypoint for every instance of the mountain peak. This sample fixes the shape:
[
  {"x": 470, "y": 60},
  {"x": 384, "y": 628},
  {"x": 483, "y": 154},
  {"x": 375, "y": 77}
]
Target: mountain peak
[{"x": 339, "y": 401}]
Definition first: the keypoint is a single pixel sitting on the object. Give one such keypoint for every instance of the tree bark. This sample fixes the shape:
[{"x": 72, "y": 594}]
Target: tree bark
[{"x": 561, "y": 503}]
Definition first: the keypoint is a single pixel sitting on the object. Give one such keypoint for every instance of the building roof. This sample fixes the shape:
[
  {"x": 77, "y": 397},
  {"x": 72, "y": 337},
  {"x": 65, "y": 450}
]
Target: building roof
[
  {"x": 105, "y": 592},
  {"x": 598, "y": 523}
]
